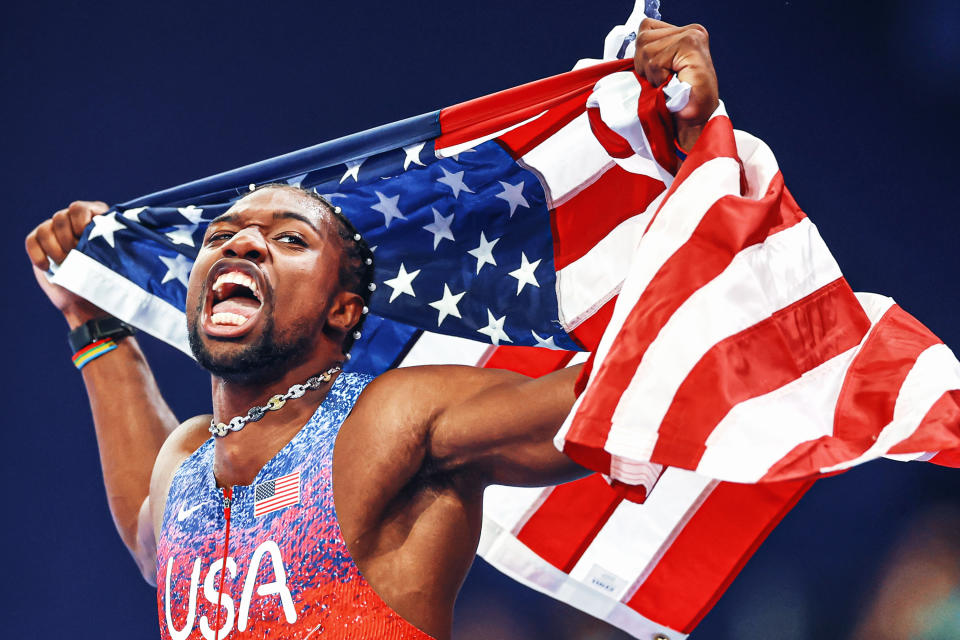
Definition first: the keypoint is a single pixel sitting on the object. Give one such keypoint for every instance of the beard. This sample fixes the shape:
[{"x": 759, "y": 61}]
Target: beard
[{"x": 262, "y": 361}]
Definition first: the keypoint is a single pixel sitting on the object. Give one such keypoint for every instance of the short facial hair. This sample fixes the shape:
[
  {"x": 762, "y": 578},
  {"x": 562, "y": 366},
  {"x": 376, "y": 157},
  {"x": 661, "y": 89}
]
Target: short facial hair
[{"x": 262, "y": 361}]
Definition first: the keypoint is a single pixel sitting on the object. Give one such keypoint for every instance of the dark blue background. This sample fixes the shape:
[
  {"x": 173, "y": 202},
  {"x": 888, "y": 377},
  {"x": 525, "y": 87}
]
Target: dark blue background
[{"x": 110, "y": 100}]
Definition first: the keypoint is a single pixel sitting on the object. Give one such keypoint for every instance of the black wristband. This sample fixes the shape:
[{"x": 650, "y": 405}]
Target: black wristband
[{"x": 97, "y": 329}]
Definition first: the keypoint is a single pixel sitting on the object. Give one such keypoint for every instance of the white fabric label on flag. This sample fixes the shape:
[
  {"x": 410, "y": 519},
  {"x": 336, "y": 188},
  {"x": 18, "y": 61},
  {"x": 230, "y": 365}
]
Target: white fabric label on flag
[{"x": 605, "y": 581}]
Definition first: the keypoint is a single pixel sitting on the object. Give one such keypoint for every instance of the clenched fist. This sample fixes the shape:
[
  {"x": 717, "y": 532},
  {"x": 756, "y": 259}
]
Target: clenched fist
[
  {"x": 662, "y": 50},
  {"x": 52, "y": 240}
]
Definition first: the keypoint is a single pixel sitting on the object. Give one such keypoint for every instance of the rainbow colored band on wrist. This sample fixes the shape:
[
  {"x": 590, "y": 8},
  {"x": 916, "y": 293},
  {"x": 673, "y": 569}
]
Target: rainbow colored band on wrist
[{"x": 93, "y": 351}]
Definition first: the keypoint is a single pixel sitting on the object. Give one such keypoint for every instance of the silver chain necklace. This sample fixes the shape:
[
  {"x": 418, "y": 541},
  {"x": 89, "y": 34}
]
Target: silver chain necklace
[{"x": 220, "y": 429}]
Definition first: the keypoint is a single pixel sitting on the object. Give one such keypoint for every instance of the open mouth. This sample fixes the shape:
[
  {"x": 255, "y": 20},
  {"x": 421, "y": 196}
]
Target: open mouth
[{"x": 235, "y": 299}]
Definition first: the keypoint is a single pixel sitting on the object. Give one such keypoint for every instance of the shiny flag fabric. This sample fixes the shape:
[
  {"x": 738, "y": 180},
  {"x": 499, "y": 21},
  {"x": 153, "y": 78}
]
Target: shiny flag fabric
[{"x": 737, "y": 349}]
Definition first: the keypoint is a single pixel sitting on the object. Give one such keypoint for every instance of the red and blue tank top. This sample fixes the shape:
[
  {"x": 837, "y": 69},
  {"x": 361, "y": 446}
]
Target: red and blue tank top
[{"x": 268, "y": 560}]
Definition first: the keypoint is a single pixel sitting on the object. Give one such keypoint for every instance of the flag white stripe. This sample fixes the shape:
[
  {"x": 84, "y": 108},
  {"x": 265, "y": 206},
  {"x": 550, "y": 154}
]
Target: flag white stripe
[
  {"x": 761, "y": 279},
  {"x": 635, "y": 536},
  {"x": 743, "y": 447},
  {"x": 935, "y": 372},
  {"x": 758, "y": 432},
  {"x": 436, "y": 348},
  {"x": 561, "y": 178},
  {"x": 586, "y": 284},
  {"x": 123, "y": 299},
  {"x": 512, "y": 557}
]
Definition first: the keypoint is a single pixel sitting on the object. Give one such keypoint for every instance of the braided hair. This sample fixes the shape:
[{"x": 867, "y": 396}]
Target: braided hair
[{"x": 356, "y": 258}]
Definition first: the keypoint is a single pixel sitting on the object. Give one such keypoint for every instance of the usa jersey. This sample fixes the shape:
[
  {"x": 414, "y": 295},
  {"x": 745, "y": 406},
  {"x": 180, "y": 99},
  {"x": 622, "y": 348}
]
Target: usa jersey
[{"x": 268, "y": 560}]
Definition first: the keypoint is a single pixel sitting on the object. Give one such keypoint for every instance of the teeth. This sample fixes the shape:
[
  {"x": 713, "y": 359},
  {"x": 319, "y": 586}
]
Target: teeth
[
  {"x": 236, "y": 277},
  {"x": 232, "y": 319}
]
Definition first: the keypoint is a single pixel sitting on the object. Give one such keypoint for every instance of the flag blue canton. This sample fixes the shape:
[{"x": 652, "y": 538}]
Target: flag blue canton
[{"x": 462, "y": 246}]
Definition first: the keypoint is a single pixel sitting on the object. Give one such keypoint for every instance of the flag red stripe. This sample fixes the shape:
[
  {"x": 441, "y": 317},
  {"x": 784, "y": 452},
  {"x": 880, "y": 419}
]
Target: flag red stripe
[
  {"x": 482, "y": 116},
  {"x": 284, "y": 497},
  {"x": 947, "y": 458},
  {"x": 612, "y": 142},
  {"x": 711, "y": 549},
  {"x": 588, "y": 333},
  {"x": 730, "y": 225},
  {"x": 584, "y": 220},
  {"x": 562, "y": 528},
  {"x": 520, "y": 141},
  {"x": 867, "y": 398},
  {"x": 765, "y": 357},
  {"x": 530, "y": 361}
]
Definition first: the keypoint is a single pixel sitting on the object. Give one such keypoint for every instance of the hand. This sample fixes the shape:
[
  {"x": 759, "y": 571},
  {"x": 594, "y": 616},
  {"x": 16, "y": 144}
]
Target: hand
[
  {"x": 52, "y": 240},
  {"x": 662, "y": 50}
]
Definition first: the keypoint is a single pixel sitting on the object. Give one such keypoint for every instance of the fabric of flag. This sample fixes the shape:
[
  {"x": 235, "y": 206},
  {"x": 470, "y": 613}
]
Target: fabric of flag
[
  {"x": 738, "y": 350},
  {"x": 276, "y": 494},
  {"x": 548, "y": 216}
]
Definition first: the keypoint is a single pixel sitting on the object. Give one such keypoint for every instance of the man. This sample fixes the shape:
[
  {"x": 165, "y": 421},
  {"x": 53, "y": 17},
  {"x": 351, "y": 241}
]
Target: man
[{"x": 267, "y": 528}]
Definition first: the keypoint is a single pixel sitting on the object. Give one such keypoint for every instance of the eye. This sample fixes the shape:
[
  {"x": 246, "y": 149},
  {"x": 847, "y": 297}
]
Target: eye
[
  {"x": 218, "y": 236},
  {"x": 291, "y": 238}
]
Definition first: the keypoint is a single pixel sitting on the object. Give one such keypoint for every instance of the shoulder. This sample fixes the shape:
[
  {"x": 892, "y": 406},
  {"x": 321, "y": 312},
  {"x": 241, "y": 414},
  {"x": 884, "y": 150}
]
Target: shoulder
[
  {"x": 425, "y": 390},
  {"x": 179, "y": 445}
]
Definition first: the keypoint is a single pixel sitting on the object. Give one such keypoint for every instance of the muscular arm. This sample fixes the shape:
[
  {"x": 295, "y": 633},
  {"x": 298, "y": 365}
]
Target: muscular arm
[
  {"x": 131, "y": 418},
  {"x": 495, "y": 425}
]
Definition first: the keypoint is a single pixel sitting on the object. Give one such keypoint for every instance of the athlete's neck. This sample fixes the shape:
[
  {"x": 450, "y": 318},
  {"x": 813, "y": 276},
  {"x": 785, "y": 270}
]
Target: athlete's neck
[{"x": 240, "y": 455}]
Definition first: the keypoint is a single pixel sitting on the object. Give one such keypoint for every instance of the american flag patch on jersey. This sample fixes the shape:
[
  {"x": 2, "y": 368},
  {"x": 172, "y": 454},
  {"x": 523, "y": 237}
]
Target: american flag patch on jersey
[{"x": 276, "y": 494}]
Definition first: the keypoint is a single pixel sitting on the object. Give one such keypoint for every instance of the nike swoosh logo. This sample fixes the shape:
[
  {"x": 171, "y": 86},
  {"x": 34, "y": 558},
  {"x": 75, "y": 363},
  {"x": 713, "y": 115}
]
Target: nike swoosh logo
[{"x": 186, "y": 513}]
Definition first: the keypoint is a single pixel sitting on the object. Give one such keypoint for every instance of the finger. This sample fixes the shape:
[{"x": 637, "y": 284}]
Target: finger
[
  {"x": 81, "y": 214},
  {"x": 650, "y": 24},
  {"x": 48, "y": 242},
  {"x": 35, "y": 252},
  {"x": 63, "y": 230},
  {"x": 656, "y": 61}
]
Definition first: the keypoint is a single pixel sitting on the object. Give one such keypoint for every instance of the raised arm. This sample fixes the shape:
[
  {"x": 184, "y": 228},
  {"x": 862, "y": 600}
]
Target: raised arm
[
  {"x": 131, "y": 418},
  {"x": 493, "y": 425}
]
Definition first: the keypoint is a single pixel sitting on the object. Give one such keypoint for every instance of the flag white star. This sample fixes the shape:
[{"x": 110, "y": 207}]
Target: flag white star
[
  {"x": 484, "y": 253},
  {"x": 494, "y": 329},
  {"x": 353, "y": 170},
  {"x": 388, "y": 207},
  {"x": 105, "y": 226},
  {"x": 181, "y": 236},
  {"x": 440, "y": 228},
  {"x": 447, "y": 305},
  {"x": 513, "y": 194},
  {"x": 178, "y": 268},
  {"x": 549, "y": 343},
  {"x": 191, "y": 213},
  {"x": 403, "y": 283},
  {"x": 454, "y": 181},
  {"x": 134, "y": 214},
  {"x": 413, "y": 155},
  {"x": 524, "y": 274}
]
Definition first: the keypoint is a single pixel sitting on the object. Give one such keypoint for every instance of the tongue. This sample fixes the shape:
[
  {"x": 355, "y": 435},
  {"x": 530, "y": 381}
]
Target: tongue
[{"x": 245, "y": 307}]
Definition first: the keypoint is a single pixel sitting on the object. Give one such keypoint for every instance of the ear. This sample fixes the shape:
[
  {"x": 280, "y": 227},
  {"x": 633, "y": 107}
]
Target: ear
[{"x": 345, "y": 312}]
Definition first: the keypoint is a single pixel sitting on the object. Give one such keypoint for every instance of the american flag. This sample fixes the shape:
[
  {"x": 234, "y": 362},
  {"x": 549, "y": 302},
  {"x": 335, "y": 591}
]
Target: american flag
[
  {"x": 525, "y": 229},
  {"x": 276, "y": 494}
]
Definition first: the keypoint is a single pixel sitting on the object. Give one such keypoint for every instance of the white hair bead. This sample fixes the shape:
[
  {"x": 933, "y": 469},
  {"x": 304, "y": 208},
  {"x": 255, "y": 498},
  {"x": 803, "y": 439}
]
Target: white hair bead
[
  {"x": 369, "y": 261},
  {"x": 365, "y": 311},
  {"x": 356, "y": 237},
  {"x": 348, "y": 356},
  {"x": 372, "y": 286},
  {"x": 357, "y": 335},
  {"x": 253, "y": 187},
  {"x": 337, "y": 210}
]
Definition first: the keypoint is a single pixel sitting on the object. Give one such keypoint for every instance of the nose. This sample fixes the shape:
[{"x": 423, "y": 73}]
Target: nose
[{"x": 247, "y": 243}]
